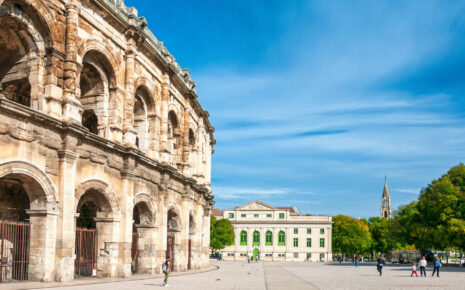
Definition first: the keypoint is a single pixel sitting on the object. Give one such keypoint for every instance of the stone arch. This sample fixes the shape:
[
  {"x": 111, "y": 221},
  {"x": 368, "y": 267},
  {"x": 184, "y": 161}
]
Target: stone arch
[
  {"x": 174, "y": 217},
  {"x": 97, "y": 45},
  {"x": 46, "y": 196},
  {"x": 151, "y": 89},
  {"x": 107, "y": 199},
  {"x": 146, "y": 208}
]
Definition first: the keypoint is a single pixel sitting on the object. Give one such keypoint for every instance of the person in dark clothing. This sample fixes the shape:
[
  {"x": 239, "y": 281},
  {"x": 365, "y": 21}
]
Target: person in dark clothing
[
  {"x": 379, "y": 264},
  {"x": 436, "y": 265}
]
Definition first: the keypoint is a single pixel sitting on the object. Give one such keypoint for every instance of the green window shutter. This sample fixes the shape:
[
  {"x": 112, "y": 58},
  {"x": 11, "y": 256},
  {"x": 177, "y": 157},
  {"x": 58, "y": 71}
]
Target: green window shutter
[
  {"x": 269, "y": 239},
  {"x": 256, "y": 238},
  {"x": 322, "y": 243},
  {"x": 296, "y": 230},
  {"x": 322, "y": 231},
  {"x": 268, "y": 215},
  {"x": 309, "y": 231},
  {"x": 281, "y": 215},
  {"x": 309, "y": 242},
  {"x": 255, "y": 215},
  {"x": 243, "y": 215},
  {"x": 243, "y": 238},
  {"x": 296, "y": 255},
  {"x": 281, "y": 238},
  {"x": 231, "y": 215},
  {"x": 296, "y": 242}
]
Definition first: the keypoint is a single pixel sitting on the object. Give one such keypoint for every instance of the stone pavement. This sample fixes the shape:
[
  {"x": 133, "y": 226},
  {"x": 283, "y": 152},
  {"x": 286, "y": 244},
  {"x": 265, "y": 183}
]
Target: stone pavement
[{"x": 280, "y": 276}]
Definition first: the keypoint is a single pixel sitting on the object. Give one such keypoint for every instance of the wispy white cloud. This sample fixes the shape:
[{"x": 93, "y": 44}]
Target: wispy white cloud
[
  {"x": 224, "y": 192},
  {"x": 407, "y": 190}
]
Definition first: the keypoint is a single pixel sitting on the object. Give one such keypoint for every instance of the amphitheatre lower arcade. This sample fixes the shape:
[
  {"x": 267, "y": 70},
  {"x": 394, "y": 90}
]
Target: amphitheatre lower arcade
[{"x": 105, "y": 150}]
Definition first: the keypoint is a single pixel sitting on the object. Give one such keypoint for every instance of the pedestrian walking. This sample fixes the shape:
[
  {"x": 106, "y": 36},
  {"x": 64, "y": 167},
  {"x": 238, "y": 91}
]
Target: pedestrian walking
[
  {"x": 437, "y": 265},
  {"x": 356, "y": 261},
  {"x": 166, "y": 270},
  {"x": 248, "y": 259},
  {"x": 422, "y": 265},
  {"x": 414, "y": 269},
  {"x": 379, "y": 264}
]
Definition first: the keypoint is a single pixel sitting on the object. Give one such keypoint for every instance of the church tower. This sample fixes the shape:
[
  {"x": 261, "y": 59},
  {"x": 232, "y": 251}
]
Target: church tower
[{"x": 386, "y": 202}]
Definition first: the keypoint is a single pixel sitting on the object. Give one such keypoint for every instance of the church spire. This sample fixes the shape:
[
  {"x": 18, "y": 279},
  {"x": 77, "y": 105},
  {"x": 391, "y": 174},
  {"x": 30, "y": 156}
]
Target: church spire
[{"x": 385, "y": 202}]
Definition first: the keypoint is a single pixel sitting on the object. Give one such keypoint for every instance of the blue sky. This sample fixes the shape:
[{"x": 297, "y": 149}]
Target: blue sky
[{"x": 314, "y": 102}]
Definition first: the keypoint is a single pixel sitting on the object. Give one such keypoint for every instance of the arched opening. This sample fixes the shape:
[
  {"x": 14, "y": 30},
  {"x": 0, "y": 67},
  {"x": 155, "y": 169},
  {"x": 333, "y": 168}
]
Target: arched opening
[
  {"x": 173, "y": 136},
  {"x": 173, "y": 230},
  {"x": 256, "y": 238},
  {"x": 92, "y": 231},
  {"x": 21, "y": 196},
  {"x": 96, "y": 79},
  {"x": 281, "y": 238},
  {"x": 385, "y": 214},
  {"x": 243, "y": 241},
  {"x": 269, "y": 238},
  {"x": 142, "y": 106},
  {"x": 142, "y": 228},
  {"x": 22, "y": 41}
]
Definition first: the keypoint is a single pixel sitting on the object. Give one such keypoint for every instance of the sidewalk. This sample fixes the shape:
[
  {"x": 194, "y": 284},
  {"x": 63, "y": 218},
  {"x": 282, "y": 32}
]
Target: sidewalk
[{"x": 93, "y": 280}]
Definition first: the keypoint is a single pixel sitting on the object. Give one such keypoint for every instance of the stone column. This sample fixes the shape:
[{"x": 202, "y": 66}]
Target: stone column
[
  {"x": 184, "y": 234},
  {"x": 165, "y": 97},
  {"x": 116, "y": 108},
  {"x": 42, "y": 245},
  {"x": 129, "y": 137},
  {"x": 126, "y": 202},
  {"x": 107, "y": 245},
  {"x": 206, "y": 237},
  {"x": 66, "y": 220},
  {"x": 147, "y": 249},
  {"x": 72, "y": 109}
]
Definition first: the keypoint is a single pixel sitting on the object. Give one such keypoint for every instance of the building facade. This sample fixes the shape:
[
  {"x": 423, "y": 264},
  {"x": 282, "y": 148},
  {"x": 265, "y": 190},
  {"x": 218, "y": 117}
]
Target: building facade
[
  {"x": 386, "y": 202},
  {"x": 105, "y": 150},
  {"x": 277, "y": 234}
]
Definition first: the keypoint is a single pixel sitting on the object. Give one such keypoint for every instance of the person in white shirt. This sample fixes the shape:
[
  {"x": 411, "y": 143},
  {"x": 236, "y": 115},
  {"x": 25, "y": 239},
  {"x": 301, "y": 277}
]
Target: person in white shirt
[{"x": 422, "y": 265}]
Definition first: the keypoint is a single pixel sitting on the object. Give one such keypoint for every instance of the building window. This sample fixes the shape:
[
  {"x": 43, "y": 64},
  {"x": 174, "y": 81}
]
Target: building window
[
  {"x": 309, "y": 231},
  {"x": 268, "y": 238},
  {"x": 231, "y": 254},
  {"x": 296, "y": 255},
  {"x": 256, "y": 238},
  {"x": 296, "y": 242},
  {"x": 281, "y": 215},
  {"x": 309, "y": 255},
  {"x": 255, "y": 215},
  {"x": 281, "y": 238},
  {"x": 231, "y": 215},
  {"x": 243, "y": 238},
  {"x": 243, "y": 215},
  {"x": 281, "y": 255},
  {"x": 309, "y": 243},
  {"x": 268, "y": 255},
  {"x": 268, "y": 215},
  {"x": 322, "y": 231},
  {"x": 322, "y": 243},
  {"x": 322, "y": 257},
  {"x": 296, "y": 230}
]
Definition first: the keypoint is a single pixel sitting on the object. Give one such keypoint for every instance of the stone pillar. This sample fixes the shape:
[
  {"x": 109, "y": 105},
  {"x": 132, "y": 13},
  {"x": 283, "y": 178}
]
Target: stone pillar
[
  {"x": 116, "y": 106},
  {"x": 42, "y": 245},
  {"x": 126, "y": 202},
  {"x": 161, "y": 224},
  {"x": 66, "y": 220},
  {"x": 206, "y": 237},
  {"x": 147, "y": 249},
  {"x": 53, "y": 92},
  {"x": 165, "y": 97},
  {"x": 184, "y": 235},
  {"x": 72, "y": 109},
  {"x": 107, "y": 245},
  {"x": 129, "y": 137}
]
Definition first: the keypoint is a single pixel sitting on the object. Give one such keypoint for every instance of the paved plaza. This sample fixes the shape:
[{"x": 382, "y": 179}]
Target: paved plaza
[{"x": 279, "y": 276}]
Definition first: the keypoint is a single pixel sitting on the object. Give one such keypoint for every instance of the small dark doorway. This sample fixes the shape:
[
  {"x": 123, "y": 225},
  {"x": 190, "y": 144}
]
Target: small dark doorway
[
  {"x": 189, "y": 255},
  {"x": 170, "y": 249},
  {"x": 85, "y": 263}
]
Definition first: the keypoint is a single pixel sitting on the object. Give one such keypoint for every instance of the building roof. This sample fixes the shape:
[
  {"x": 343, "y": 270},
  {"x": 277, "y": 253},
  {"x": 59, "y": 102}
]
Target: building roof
[
  {"x": 385, "y": 191},
  {"x": 217, "y": 212}
]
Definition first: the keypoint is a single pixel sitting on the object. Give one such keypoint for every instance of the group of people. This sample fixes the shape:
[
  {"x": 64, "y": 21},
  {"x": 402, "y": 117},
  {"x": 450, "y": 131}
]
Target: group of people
[
  {"x": 422, "y": 264},
  {"x": 380, "y": 262}
]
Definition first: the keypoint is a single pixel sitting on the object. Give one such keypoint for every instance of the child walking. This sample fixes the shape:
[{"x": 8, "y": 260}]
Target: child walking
[{"x": 414, "y": 269}]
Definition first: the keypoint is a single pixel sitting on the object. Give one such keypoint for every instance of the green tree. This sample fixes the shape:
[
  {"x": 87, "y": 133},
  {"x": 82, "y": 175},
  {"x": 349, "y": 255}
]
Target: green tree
[
  {"x": 350, "y": 236},
  {"x": 441, "y": 206},
  {"x": 379, "y": 229},
  {"x": 221, "y": 234}
]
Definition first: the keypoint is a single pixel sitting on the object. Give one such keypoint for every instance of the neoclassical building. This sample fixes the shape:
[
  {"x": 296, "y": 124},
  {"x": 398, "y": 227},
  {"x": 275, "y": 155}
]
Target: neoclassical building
[
  {"x": 277, "y": 234},
  {"x": 105, "y": 150}
]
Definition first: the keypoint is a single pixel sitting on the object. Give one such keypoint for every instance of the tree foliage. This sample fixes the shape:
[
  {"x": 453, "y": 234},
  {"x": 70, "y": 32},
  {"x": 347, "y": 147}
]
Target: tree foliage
[
  {"x": 350, "y": 236},
  {"x": 221, "y": 233},
  {"x": 379, "y": 229}
]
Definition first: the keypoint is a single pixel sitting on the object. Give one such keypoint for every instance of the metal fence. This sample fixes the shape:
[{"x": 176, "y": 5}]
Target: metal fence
[
  {"x": 85, "y": 264},
  {"x": 14, "y": 252}
]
